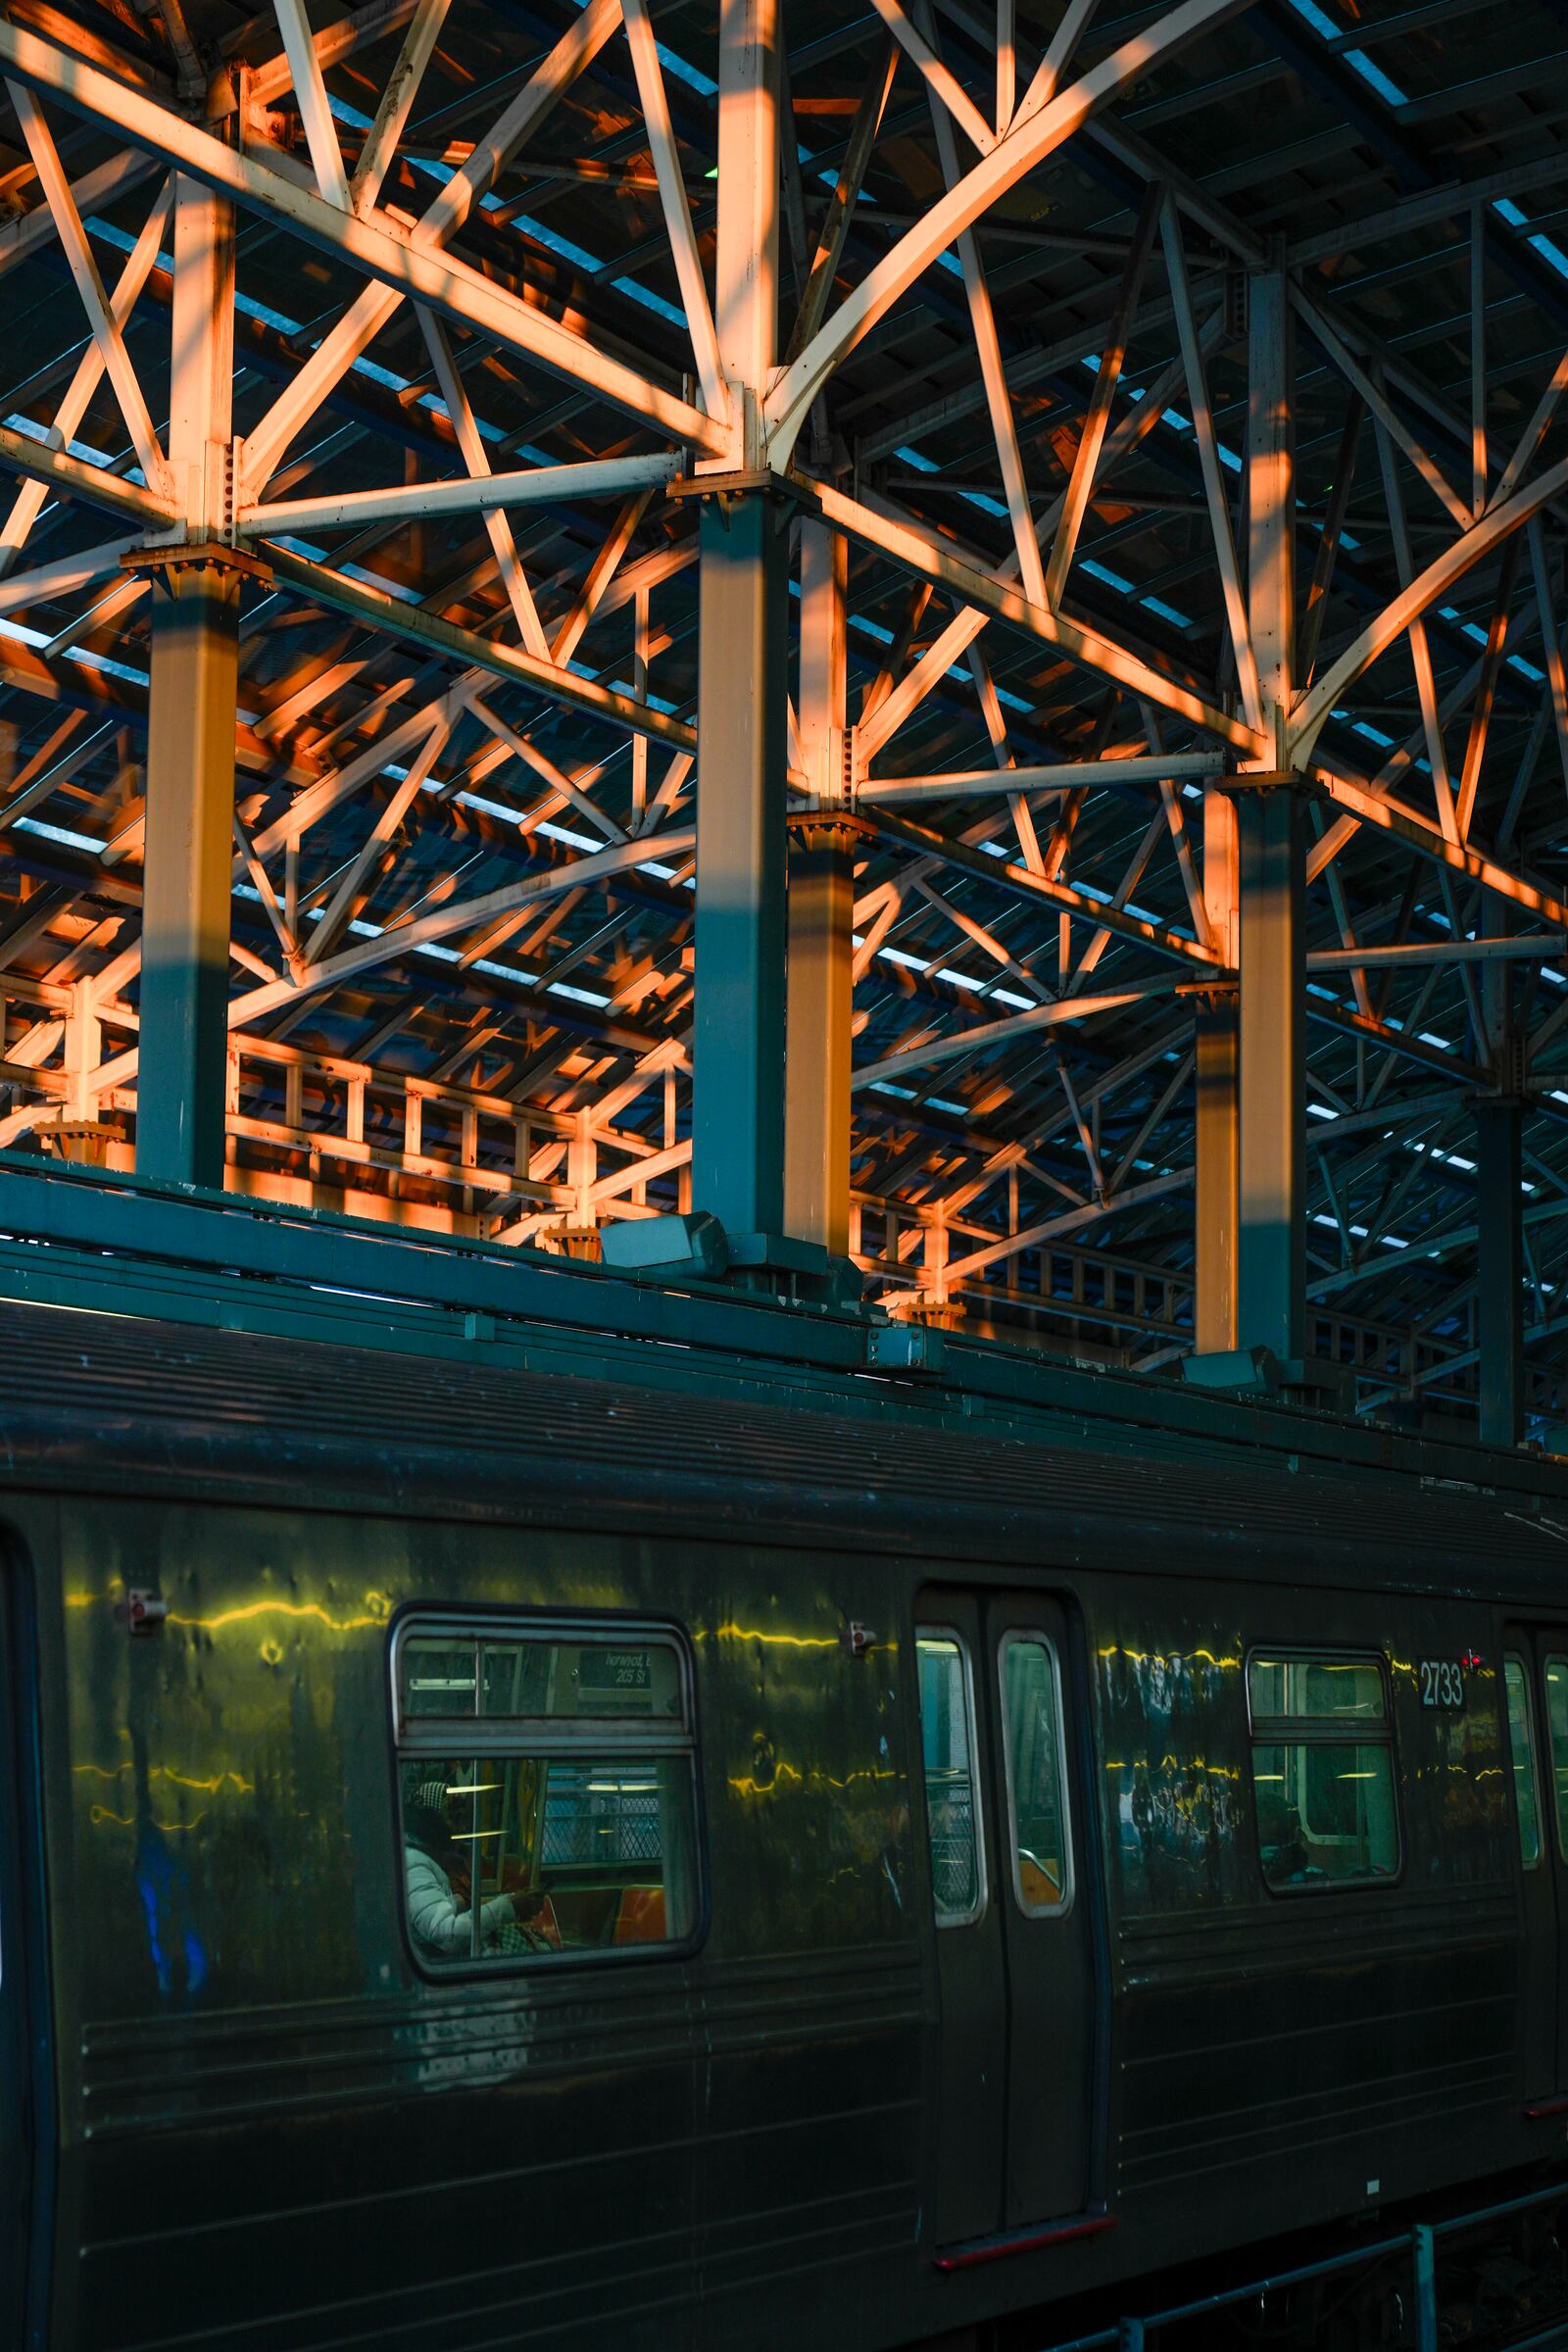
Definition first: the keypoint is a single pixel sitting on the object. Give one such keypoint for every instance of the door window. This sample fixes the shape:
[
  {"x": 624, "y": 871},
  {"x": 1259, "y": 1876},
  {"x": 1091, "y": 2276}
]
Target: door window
[
  {"x": 952, "y": 1797},
  {"x": 1031, "y": 1731},
  {"x": 1558, "y": 1738},
  {"x": 1522, "y": 1754}
]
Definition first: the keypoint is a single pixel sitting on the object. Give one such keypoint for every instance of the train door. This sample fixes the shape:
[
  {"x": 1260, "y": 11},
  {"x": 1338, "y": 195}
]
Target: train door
[
  {"x": 19, "y": 2150},
  {"x": 1015, "y": 1971},
  {"x": 1536, "y": 1688}
]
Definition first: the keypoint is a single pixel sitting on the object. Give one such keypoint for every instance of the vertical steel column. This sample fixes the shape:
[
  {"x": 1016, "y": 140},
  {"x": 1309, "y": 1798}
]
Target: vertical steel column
[
  {"x": 1501, "y": 1267},
  {"x": 821, "y": 920},
  {"x": 1271, "y": 496},
  {"x": 738, "y": 1033},
  {"x": 182, "y": 1058},
  {"x": 1271, "y": 1250},
  {"x": 1218, "y": 1107},
  {"x": 1424, "y": 2249},
  {"x": 1271, "y": 1240},
  {"x": 1500, "y": 1199}
]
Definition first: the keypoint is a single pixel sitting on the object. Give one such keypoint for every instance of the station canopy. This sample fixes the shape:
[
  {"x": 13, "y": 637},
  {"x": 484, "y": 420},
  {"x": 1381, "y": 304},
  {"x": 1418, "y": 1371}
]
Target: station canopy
[{"x": 1019, "y": 252}]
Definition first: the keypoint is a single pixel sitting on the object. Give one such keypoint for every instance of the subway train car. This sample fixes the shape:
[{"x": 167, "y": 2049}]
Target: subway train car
[{"x": 490, "y": 1859}]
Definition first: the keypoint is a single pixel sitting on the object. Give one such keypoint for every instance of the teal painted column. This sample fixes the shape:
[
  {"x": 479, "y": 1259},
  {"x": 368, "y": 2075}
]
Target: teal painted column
[
  {"x": 1271, "y": 1241},
  {"x": 1271, "y": 872},
  {"x": 1217, "y": 1098},
  {"x": 183, "y": 1053},
  {"x": 823, "y": 843},
  {"x": 182, "y": 1060},
  {"x": 738, "y": 1031},
  {"x": 1501, "y": 1267},
  {"x": 742, "y": 709}
]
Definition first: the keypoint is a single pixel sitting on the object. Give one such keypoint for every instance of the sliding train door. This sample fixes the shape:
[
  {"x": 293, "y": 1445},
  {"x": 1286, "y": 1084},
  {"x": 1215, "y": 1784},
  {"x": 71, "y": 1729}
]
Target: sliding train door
[
  {"x": 19, "y": 2087},
  {"x": 1534, "y": 1670},
  {"x": 1012, "y": 1923}
]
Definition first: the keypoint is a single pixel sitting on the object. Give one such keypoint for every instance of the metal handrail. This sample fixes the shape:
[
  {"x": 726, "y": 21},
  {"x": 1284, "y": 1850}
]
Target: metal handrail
[{"x": 1131, "y": 2334}]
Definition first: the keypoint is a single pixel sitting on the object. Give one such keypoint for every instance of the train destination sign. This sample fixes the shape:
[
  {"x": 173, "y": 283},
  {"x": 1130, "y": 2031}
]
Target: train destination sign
[{"x": 614, "y": 1670}]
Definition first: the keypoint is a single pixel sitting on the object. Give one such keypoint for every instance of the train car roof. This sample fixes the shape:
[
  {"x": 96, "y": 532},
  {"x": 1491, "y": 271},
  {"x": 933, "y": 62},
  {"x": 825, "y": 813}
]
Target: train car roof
[{"x": 98, "y": 1404}]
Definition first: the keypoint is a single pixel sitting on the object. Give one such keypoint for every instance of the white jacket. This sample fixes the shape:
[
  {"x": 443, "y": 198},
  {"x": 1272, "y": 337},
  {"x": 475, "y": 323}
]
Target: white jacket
[{"x": 437, "y": 1924}]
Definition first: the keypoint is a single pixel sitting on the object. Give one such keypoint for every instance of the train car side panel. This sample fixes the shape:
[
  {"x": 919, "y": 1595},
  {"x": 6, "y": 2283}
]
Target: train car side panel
[
  {"x": 273, "y": 2087},
  {"x": 1293, "y": 2042}
]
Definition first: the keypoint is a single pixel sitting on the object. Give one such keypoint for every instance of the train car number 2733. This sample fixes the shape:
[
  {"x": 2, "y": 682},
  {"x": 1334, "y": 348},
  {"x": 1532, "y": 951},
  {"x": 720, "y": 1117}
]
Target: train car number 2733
[{"x": 1442, "y": 1683}]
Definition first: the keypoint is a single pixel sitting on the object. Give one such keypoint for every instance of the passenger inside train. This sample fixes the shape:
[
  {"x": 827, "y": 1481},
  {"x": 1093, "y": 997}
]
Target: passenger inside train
[{"x": 442, "y": 1927}]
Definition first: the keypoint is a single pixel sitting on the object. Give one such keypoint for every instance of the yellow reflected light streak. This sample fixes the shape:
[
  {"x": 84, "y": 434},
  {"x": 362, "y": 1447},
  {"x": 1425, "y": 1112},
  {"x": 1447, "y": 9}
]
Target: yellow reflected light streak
[
  {"x": 745, "y": 1784},
  {"x": 247, "y": 1612},
  {"x": 1173, "y": 1658},
  {"x": 165, "y": 1771},
  {"x": 746, "y": 1632},
  {"x": 99, "y": 1814}
]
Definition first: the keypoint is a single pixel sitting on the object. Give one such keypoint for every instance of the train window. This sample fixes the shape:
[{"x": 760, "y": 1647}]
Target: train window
[
  {"x": 1030, "y": 1727},
  {"x": 1557, "y": 1736},
  {"x": 1521, "y": 1750},
  {"x": 546, "y": 1779},
  {"x": 1322, "y": 1769},
  {"x": 1326, "y": 1690},
  {"x": 952, "y": 1799}
]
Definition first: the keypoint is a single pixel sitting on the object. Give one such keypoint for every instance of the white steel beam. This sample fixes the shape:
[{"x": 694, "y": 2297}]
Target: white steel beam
[
  {"x": 310, "y": 96},
  {"x": 1417, "y": 832},
  {"x": 1064, "y": 776},
  {"x": 1045, "y": 889},
  {"x": 676, "y": 210},
  {"x": 1439, "y": 577},
  {"x": 947, "y": 91},
  {"x": 57, "y": 468},
  {"x": 841, "y": 200},
  {"x": 930, "y": 558},
  {"x": 1420, "y": 651},
  {"x": 380, "y": 147},
  {"x": 95, "y": 302},
  {"x": 482, "y": 494},
  {"x": 1091, "y": 441},
  {"x": 405, "y": 261},
  {"x": 369, "y": 21},
  {"x": 104, "y": 184},
  {"x": 470, "y": 441},
  {"x": 1522, "y": 947},
  {"x": 993, "y": 377},
  {"x": 1073, "y": 24},
  {"x": 1214, "y": 491},
  {"x": 986, "y": 1034},
  {"x": 381, "y": 611},
  {"x": 65, "y": 575},
  {"x": 1024, "y": 147},
  {"x": 345, "y": 899},
  {"x": 461, "y": 914},
  {"x": 1382, "y": 407},
  {"x": 595, "y": 588},
  {"x": 1031, "y": 1237},
  {"x": 28, "y": 502}
]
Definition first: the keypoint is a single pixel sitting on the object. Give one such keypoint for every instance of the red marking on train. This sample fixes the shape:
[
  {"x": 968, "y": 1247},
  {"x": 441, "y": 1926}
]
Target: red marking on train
[{"x": 964, "y": 2256}]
